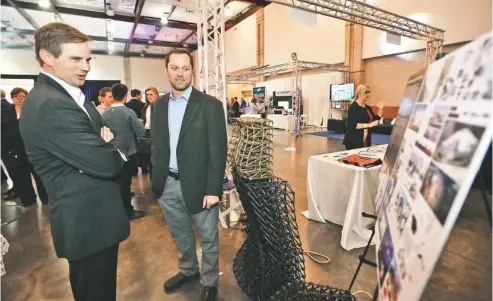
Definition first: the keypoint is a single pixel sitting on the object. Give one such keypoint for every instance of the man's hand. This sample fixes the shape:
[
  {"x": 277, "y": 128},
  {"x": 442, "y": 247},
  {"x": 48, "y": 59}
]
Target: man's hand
[
  {"x": 106, "y": 134},
  {"x": 210, "y": 201}
]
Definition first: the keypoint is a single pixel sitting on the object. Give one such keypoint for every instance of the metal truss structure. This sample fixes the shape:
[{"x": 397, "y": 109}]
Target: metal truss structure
[
  {"x": 210, "y": 40},
  {"x": 358, "y": 12},
  {"x": 283, "y": 68}
]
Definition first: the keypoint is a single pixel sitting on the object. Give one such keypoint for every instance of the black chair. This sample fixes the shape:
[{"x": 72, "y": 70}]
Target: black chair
[{"x": 270, "y": 264}]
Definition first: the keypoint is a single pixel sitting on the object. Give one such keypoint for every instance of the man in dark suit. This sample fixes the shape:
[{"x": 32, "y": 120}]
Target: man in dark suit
[
  {"x": 136, "y": 103},
  {"x": 70, "y": 152},
  {"x": 189, "y": 159},
  {"x": 8, "y": 132}
]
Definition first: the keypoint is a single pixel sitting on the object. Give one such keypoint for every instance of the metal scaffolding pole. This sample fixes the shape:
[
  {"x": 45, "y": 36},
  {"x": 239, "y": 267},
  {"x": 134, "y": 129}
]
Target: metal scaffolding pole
[{"x": 210, "y": 40}]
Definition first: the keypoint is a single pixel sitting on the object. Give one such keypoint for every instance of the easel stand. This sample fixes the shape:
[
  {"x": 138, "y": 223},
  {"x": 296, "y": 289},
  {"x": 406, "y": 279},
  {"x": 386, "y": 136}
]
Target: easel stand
[
  {"x": 362, "y": 258},
  {"x": 485, "y": 196}
]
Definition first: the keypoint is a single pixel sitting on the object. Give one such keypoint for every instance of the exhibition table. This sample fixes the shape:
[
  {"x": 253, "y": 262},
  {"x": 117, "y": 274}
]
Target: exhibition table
[
  {"x": 251, "y": 116},
  {"x": 339, "y": 193},
  {"x": 285, "y": 122}
]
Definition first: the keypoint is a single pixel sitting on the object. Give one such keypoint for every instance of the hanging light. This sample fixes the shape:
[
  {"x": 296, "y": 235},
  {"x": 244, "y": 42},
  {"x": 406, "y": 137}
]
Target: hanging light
[
  {"x": 164, "y": 19},
  {"x": 228, "y": 12},
  {"x": 44, "y": 3}
]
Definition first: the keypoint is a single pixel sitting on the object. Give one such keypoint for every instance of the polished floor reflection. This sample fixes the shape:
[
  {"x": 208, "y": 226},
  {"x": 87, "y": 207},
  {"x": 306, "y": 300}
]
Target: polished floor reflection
[{"x": 149, "y": 256}]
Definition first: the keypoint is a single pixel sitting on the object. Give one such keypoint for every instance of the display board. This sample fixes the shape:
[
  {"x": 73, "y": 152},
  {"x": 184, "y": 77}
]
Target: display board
[
  {"x": 342, "y": 92},
  {"x": 442, "y": 131},
  {"x": 259, "y": 92}
]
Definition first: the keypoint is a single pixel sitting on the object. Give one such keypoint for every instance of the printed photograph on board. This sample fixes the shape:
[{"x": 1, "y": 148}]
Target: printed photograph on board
[
  {"x": 417, "y": 117},
  {"x": 458, "y": 143},
  {"x": 391, "y": 285},
  {"x": 439, "y": 191},
  {"x": 385, "y": 255}
]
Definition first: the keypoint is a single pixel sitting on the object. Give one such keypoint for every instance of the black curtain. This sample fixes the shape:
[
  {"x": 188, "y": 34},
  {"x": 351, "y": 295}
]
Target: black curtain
[{"x": 91, "y": 88}]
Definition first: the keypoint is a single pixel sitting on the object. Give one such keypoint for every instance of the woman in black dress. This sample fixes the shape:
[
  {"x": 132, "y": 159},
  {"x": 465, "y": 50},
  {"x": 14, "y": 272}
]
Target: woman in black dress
[{"x": 360, "y": 119}]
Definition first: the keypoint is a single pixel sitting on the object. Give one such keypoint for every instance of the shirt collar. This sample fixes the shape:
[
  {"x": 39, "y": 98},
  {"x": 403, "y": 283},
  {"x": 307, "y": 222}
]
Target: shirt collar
[
  {"x": 117, "y": 105},
  {"x": 75, "y": 92},
  {"x": 186, "y": 94}
]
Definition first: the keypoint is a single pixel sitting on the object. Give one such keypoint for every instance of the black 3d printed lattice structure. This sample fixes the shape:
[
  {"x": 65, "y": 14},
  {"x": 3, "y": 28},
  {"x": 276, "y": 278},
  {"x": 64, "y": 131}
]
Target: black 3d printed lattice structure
[{"x": 270, "y": 265}]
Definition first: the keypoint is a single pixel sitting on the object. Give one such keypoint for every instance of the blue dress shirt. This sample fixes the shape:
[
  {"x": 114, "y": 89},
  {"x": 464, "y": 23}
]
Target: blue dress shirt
[{"x": 176, "y": 111}]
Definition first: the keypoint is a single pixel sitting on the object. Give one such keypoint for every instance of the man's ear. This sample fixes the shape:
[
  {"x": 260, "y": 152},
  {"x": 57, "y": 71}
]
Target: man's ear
[{"x": 46, "y": 57}]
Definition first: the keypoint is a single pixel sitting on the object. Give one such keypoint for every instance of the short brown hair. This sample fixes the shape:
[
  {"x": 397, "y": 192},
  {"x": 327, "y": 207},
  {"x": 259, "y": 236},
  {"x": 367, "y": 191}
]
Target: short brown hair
[
  {"x": 119, "y": 91},
  {"x": 178, "y": 51},
  {"x": 103, "y": 91},
  {"x": 17, "y": 91},
  {"x": 51, "y": 36}
]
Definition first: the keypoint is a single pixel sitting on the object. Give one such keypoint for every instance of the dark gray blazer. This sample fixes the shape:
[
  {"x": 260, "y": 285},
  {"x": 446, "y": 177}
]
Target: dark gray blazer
[
  {"x": 86, "y": 209},
  {"x": 201, "y": 150}
]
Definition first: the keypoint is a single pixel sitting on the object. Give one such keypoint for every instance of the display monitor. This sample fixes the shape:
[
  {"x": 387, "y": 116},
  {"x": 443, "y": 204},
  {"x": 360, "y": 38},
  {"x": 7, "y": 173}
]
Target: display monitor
[
  {"x": 342, "y": 92},
  {"x": 284, "y": 104}
]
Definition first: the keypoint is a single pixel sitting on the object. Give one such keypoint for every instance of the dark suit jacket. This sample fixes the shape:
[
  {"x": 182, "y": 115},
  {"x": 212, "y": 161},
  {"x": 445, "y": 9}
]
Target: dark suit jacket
[
  {"x": 11, "y": 137},
  {"x": 357, "y": 114},
  {"x": 201, "y": 150},
  {"x": 136, "y": 105},
  {"x": 86, "y": 209}
]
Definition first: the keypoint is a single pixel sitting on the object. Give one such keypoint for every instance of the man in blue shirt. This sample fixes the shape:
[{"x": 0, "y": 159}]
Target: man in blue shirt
[{"x": 189, "y": 140}]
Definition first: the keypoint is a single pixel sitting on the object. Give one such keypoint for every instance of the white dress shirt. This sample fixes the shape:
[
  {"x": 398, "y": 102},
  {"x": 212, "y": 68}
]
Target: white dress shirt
[
  {"x": 148, "y": 118},
  {"x": 79, "y": 98}
]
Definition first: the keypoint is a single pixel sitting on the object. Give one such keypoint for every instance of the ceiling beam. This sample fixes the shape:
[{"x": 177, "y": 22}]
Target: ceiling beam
[
  {"x": 125, "y": 54},
  {"x": 98, "y": 14},
  {"x": 241, "y": 16},
  {"x": 256, "y": 2},
  {"x": 26, "y": 32},
  {"x": 22, "y": 12},
  {"x": 188, "y": 37},
  {"x": 158, "y": 29},
  {"x": 138, "y": 12}
]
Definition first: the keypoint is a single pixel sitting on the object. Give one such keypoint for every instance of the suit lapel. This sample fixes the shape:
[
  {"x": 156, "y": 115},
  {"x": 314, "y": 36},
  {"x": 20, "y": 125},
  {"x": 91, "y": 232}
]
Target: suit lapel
[
  {"x": 192, "y": 108},
  {"x": 94, "y": 115},
  {"x": 163, "y": 122}
]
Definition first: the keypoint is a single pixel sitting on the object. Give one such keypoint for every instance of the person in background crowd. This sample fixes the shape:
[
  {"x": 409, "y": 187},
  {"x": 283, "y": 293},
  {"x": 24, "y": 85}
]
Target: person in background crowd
[
  {"x": 78, "y": 161},
  {"x": 18, "y": 95},
  {"x": 253, "y": 103},
  {"x": 106, "y": 100},
  {"x": 14, "y": 154},
  {"x": 136, "y": 103},
  {"x": 188, "y": 180},
  {"x": 151, "y": 96},
  {"x": 122, "y": 121},
  {"x": 243, "y": 105},
  {"x": 360, "y": 119},
  {"x": 236, "y": 108},
  {"x": 8, "y": 131},
  {"x": 261, "y": 107}
]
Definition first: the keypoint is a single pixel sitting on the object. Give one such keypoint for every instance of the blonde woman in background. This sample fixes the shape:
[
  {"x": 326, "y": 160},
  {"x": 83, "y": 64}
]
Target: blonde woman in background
[{"x": 360, "y": 119}]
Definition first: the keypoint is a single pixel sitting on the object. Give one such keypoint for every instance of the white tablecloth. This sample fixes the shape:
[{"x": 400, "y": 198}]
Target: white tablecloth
[
  {"x": 285, "y": 122},
  {"x": 251, "y": 116},
  {"x": 339, "y": 193}
]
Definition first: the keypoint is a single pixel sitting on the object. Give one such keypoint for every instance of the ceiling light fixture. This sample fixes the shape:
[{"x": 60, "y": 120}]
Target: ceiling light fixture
[
  {"x": 44, "y": 3},
  {"x": 228, "y": 12},
  {"x": 109, "y": 11},
  {"x": 164, "y": 19}
]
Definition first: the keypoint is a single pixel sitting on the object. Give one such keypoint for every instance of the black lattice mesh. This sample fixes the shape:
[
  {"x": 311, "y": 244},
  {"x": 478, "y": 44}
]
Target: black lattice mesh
[{"x": 270, "y": 264}]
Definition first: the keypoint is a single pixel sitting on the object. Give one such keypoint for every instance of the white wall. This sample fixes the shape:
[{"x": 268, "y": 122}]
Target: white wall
[
  {"x": 144, "y": 72},
  {"x": 147, "y": 72},
  {"x": 286, "y": 32},
  {"x": 461, "y": 20},
  {"x": 240, "y": 43},
  {"x": 7, "y": 85}
]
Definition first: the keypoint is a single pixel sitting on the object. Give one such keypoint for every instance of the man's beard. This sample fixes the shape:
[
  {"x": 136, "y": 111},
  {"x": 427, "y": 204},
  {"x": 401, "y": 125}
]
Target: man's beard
[{"x": 181, "y": 88}]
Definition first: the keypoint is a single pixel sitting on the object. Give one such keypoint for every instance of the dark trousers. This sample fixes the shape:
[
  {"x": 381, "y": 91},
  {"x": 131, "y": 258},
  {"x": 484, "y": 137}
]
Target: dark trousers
[
  {"x": 125, "y": 183},
  {"x": 20, "y": 170},
  {"x": 94, "y": 278}
]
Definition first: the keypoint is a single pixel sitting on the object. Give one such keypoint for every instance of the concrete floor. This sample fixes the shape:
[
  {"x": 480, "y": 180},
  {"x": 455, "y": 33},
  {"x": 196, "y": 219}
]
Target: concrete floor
[{"x": 148, "y": 257}]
